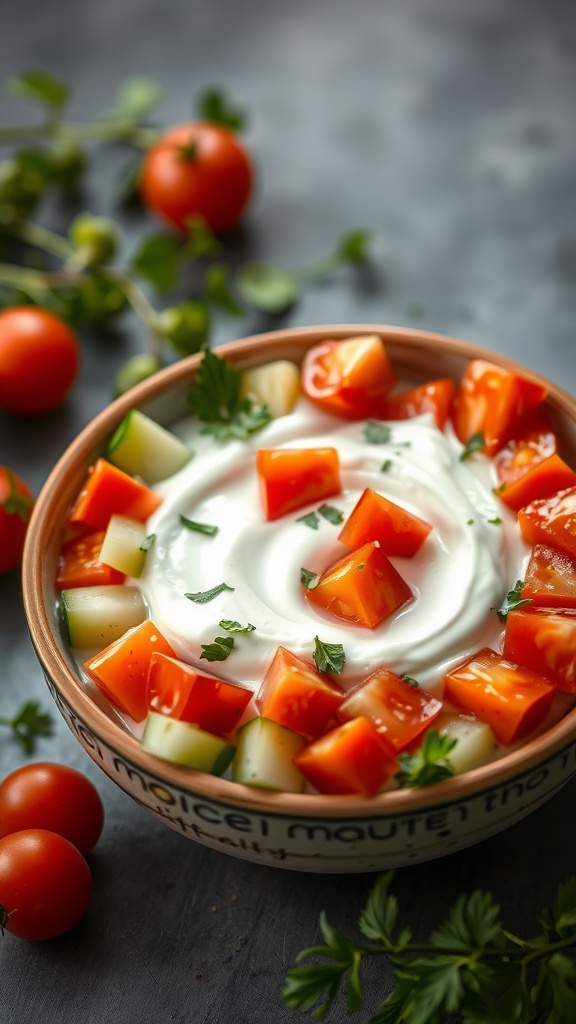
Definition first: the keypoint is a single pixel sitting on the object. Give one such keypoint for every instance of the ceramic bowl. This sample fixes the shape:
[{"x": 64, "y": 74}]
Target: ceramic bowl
[{"x": 298, "y": 832}]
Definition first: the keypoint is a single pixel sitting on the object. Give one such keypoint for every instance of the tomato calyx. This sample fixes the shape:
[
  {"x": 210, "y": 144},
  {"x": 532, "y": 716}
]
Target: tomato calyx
[
  {"x": 16, "y": 503},
  {"x": 188, "y": 152},
  {"x": 4, "y": 917}
]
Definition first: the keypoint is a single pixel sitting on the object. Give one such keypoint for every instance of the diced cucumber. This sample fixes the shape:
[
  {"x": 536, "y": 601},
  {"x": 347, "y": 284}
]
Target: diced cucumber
[
  {"x": 186, "y": 744},
  {"x": 94, "y": 617},
  {"x": 263, "y": 758},
  {"x": 276, "y": 385},
  {"x": 122, "y": 547},
  {"x": 475, "y": 741},
  {"x": 141, "y": 447}
]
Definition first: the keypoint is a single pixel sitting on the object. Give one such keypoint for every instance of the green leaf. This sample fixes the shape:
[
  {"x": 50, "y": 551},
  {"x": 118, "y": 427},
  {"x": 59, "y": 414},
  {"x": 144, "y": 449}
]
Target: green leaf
[
  {"x": 215, "y": 399},
  {"x": 386, "y": 465},
  {"x": 147, "y": 542},
  {"x": 316, "y": 988},
  {"x": 213, "y": 105},
  {"x": 231, "y": 626},
  {"x": 267, "y": 288},
  {"x": 564, "y": 908},
  {"x": 429, "y": 763},
  {"x": 472, "y": 922},
  {"x": 200, "y": 240},
  {"x": 206, "y": 528},
  {"x": 378, "y": 918},
  {"x": 309, "y": 579},
  {"x": 217, "y": 290},
  {"x": 204, "y": 596},
  {"x": 377, "y": 433},
  {"x": 475, "y": 444},
  {"x": 410, "y": 680},
  {"x": 353, "y": 246},
  {"x": 40, "y": 87},
  {"x": 29, "y": 722},
  {"x": 219, "y": 650},
  {"x": 310, "y": 519},
  {"x": 329, "y": 657},
  {"x": 135, "y": 99},
  {"x": 512, "y": 600},
  {"x": 157, "y": 259},
  {"x": 331, "y": 514},
  {"x": 185, "y": 326}
]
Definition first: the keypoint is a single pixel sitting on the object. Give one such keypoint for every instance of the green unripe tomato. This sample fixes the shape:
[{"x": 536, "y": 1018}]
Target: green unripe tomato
[
  {"x": 185, "y": 326},
  {"x": 67, "y": 164},
  {"x": 95, "y": 237},
  {"x": 135, "y": 370},
  {"x": 20, "y": 189}
]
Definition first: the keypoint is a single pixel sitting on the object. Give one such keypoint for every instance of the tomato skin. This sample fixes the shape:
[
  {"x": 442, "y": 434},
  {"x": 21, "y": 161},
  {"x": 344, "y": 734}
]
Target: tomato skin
[
  {"x": 544, "y": 640},
  {"x": 491, "y": 400},
  {"x": 510, "y": 698},
  {"x": 349, "y": 378},
  {"x": 177, "y": 689},
  {"x": 45, "y": 884},
  {"x": 541, "y": 480},
  {"x": 79, "y": 563},
  {"x": 352, "y": 758},
  {"x": 400, "y": 712},
  {"x": 296, "y": 696},
  {"x": 551, "y": 521},
  {"x": 16, "y": 502},
  {"x": 436, "y": 396},
  {"x": 550, "y": 579},
  {"x": 121, "y": 669},
  {"x": 52, "y": 797},
  {"x": 375, "y": 517},
  {"x": 362, "y": 588},
  {"x": 214, "y": 182},
  {"x": 533, "y": 440},
  {"x": 39, "y": 360},
  {"x": 108, "y": 490},
  {"x": 290, "y": 478}
]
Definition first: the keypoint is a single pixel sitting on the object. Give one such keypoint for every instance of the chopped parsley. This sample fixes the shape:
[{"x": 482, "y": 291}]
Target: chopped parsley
[
  {"x": 386, "y": 465},
  {"x": 203, "y": 596},
  {"x": 147, "y": 542},
  {"x": 512, "y": 601},
  {"x": 219, "y": 649},
  {"x": 377, "y": 433},
  {"x": 231, "y": 626},
  {"x": 206, "y": 528},
  {"x": 216, "y": 399},
  {"x": 309, "y": 579},
  {"x": 429, "y": 764},
  {"x": 410, "y": 680},
  {"x": 310, "y": 519},
  {"x": 331, "y": 514},
  {"x": 329, "y": 657},
  {"x": 495, "y": 522},
  {"x": 475, "y": 444}
]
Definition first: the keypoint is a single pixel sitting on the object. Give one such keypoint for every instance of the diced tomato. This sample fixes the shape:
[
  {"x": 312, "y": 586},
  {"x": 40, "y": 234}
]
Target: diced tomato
[
  {"x": 551, "y": 521},
  {"x": 544, "y": 640},
  {"x": 295, "y": 695},
  {"x": 541, "y": 479},
  {"x": 352, "y": 758},
  {"x": 437, "y": 397},
  {"x": 375, "y": 517},
  {"x": 79, "y": 564},
  {"x": 550, "y": 579},
  {"x": 510, "y": 698},
  {"x": 121, "y": 669},
  {"x": 399, "y": 711},
  {"x": 491, "y": 400},
  {"x": 349, "y": 378},
  {"x": 363, "y": 588},
  {"x": 293, "y": 477},
  {"x": 532, "y": 440},
  {"x": 108, "y": 490},
  {"x": 177, "y": 689}
]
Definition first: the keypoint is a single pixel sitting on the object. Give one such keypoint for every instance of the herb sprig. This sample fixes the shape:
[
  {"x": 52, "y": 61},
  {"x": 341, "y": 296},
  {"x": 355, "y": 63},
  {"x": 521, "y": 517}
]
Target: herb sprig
[
  {"x": 29, "y": 722},
  {"x": 471, "y": 965},
  {"x": 429, "y": 763},
  {"x": 216, "y": 399},
  {"x": 512, "y": 601}
]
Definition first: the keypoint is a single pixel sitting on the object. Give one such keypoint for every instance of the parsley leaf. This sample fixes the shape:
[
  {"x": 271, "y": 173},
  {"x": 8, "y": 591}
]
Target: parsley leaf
[
  {"x": 410, "y": 680},
  {"x": 310, "y": 519},
  {"x": 428, "y": 764},
  {"x": 377, "y": 433},
  {"x": 231, "y": 626},
  {"x": 474, "y": 444},
  {"x": 219, "y": 650},
  {"x": 28, "y": 723},
  {"x": 331, "y": 514},
  {"x": 329, "y": 657},
  {"x": 206, "y": 528},
  {"x": 147, "y": 542},
  {"x": 512, "y": 600},
  {"x": 215, "y": 398},
  {"x": 203, "y": 596},
  {"x": 309, "y": 579}
]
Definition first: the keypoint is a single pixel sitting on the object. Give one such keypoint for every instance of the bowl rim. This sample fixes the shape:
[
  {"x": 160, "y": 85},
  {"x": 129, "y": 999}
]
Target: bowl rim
[{"x": 244, "y": 352}]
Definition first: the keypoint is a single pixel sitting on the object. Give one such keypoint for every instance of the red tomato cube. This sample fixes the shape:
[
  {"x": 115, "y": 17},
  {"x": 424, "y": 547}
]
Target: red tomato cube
[
  {"x": 291, "y": 478},
  {"x": 375, "y": 517},
  {"x": 399, "y": 711},
  {"x": 79, "y": 563},
  {"x": 294, "y": 694},
  {"x": 544, "y": 639},
  {"x": 550, "y": 579},
  {"x": 121, "y": 669},
  {"x": 353, "y": 758},
  {"x": 491, "y": 400},
  {"x": 177, "y": 689},
  {"x": 363, "y": 588},
  {"x": 551, "y": 521},
  {"x": 437, "y": 397},
  {"x": 109, "y": 491}
]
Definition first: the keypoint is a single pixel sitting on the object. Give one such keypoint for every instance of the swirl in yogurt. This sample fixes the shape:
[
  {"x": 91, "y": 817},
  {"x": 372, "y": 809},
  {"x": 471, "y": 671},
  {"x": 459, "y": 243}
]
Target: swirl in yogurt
[{"x": 461, "y": 573}]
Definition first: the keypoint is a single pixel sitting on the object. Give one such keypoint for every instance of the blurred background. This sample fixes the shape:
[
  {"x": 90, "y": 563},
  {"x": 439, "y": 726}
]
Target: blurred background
[{"x": 447, "y": 129}]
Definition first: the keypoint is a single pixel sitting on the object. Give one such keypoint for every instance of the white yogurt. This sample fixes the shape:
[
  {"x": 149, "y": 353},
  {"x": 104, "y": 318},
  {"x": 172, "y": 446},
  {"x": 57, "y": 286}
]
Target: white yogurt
[{"x": 470, "y": 560}]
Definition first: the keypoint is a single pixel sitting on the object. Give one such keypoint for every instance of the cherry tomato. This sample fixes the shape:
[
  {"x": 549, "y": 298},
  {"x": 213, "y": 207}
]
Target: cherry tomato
[
  {"x": 45, "y": 884},
  {"x": 492, "y": 400},
  {"x": 16, "y": 502},
  {"x": 197, "y": 169},
  {"x": 544, "y": 641},
  {"x": 349, "y": 378},
  {"x": 39, "y": 360},
  {"x": 52, "y": 797}
]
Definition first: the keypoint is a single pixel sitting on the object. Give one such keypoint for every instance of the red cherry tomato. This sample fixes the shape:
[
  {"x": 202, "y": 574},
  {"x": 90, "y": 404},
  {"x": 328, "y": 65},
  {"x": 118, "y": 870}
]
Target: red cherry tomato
[
  {"x": 197, "y": 169},
  {"x": 52, "y": 797},
  {"x": 39, "y": 360},
  {"x": 16, "y": 502},
  {"x": 349, "y": 378},
  {"x": 45, "y": 884}
]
